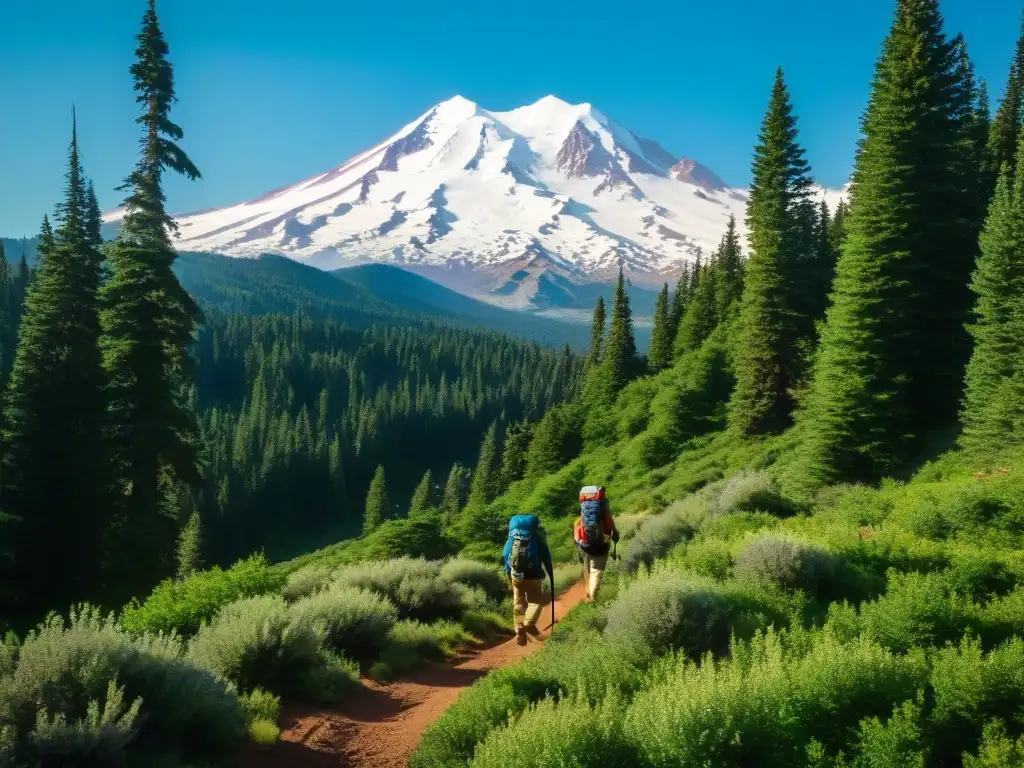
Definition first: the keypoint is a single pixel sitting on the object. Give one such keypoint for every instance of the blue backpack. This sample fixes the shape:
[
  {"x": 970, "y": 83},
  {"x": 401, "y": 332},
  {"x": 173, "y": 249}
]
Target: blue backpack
[{"x": 524, "y": 559}]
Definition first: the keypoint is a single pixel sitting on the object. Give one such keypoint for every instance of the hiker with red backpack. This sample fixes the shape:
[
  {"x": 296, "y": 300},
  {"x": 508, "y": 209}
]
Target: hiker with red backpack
[
  {"x": 526, "y": 557},
  {"x": 594, "y": 528}
]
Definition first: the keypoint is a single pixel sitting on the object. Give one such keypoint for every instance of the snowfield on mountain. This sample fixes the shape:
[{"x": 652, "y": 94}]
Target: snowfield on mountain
[{"x": 506, "y": 205}]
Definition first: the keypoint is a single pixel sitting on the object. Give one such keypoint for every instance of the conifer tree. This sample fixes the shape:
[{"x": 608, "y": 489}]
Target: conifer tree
[
  {"x": 767, "y": 346},
  {"x": 513, "y": 458},
  {"x": 701, "y": 316},
  {"x": 837, "y": 233},
  {"x": 730, "y": 271},
  {"x": 597, "y": 331},
  {"x": 456, "y": 491},
  {"x": 659, "y": 355},
  {"x": 990, "y": 407},
  {"x": 190, "y": 542},
  {"x": 148, "y": 323},
  {"x": 620, "y": 363},
  {"x": 55, "y": 413},
  {"x": 887, "y": 338},
  {"x": 1005, "y": 128},
  {"x": 378, "y": 505},
  {"x": 423, "y": 496},
  {"x": 484, "y": 488},
  {"x": 680, "y": 298}
]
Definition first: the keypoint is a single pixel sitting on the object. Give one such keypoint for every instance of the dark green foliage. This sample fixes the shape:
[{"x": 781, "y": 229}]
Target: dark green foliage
[
  {"x": 701, "y": 314},
  {"x": 557, "y": 440},
  {"x": 729, "y": 282},
  {"x": 518, "y": 439},
  {"x": 992, "y": 405},
  {"x": 620, "y": 364},
  {"x": 378, "y": 504},
  {"x": 597, "y": 335},
  {"x": 456, "y": 491},
  {"x": 56, "y": 418},
  {"x": 660, "y": 354},
  {"x": 1005, "y": 130},
  {"x": 773, "y": 316},
  {"x": 190, "y": 543},
  {"x": 786, "y": 563},
  {"x": 680, "y": 300},
  {"x": 892, "y": 346},
  {"x": 486, "y": 477},
  {"x": 423, "y": 498},
  {"x": 148, "y": 324}
]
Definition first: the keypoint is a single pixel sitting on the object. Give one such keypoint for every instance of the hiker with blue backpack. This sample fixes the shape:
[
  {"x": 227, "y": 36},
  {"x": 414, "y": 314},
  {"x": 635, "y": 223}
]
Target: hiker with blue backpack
[
  {"x": 593, "y": 531},
  {"x": 526, "y": 557}
]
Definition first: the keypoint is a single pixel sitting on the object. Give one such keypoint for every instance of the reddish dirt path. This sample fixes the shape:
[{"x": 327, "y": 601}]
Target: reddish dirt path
[{"x": 381, "y": 725}]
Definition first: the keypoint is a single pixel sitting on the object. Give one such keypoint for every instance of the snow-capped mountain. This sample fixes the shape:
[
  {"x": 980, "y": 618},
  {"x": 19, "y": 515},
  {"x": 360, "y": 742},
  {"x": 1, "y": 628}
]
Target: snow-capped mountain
[{"x": 521, "y": 208}]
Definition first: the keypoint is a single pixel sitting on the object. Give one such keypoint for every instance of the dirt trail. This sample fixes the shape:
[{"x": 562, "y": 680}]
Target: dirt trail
[{"x": 381, "y": 725}]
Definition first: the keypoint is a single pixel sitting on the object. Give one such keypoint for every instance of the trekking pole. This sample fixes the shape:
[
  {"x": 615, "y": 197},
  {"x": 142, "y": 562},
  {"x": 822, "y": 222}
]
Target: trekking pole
[{"x": 552, "y": 578}]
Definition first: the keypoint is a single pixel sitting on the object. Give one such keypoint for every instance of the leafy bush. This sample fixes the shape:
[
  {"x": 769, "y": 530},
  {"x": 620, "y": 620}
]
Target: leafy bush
[
  {"x": 307, "y": 580},
  {"x": 658, "y": 534},
  {"x": 707, "y": 557},
  {"x": 182, "y": 606},
  {"x": 257, "y": 642},
  {"x": 669, "y": 611},
  {"x": 264, "y": 732},
  {"x": 261, "y": 705},
  {"x": 787, "y": 563},
  {"x": 410, "y": 643},
  {"x": 351, "y": 621},
  {"x": 80, "y": 679},
  {"x": 414, "y": 586},
  {"x": 418, "y": 537},
  {"x": 978, "y": 577},
  {"x": 567, "y": 732},
  {"x": 753, "y": 491},
  {"x": 996, "y": 749},
  {"x": 476, "y": 574}
]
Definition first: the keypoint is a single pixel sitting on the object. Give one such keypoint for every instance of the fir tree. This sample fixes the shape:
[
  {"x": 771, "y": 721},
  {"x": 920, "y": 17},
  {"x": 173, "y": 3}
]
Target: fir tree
[
  {"x": 55, "y": 414},
  {"x": 378, "y": 505},
  {"x": 680, "y": 298},
  {"x": 989, "y": 410},
  {"x": 596, "y": 334},
  {"x": 1005, "y": 128},
  {"x": 190, "y": 542},
  {"x": 659, "y": 356},
  {"x": 620, "y": 363},
  {"x": 767, "y": 345},
  {"x": 513, "y": 458},
  {"x": 423, "y": 497},
  {"x": 701, "y": 316},
  {"x": 887, "y": 337},
  {"x": 456, "y": 491},
  {"x": 485, "y": 486},
  {"x": 837, "y": 233},
  {"x": 148, "y": 323},
  {"x": 729, "y": 279}
]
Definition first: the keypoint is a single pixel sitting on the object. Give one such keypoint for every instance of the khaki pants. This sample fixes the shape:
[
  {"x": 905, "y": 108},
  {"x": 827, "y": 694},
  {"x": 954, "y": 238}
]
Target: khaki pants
[
  {"x": 526, "y": 601},
  {"x": 593, "y": 571}
]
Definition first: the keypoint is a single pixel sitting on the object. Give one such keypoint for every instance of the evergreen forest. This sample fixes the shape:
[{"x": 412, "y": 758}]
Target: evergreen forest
[{"x": 272, "y": 490}]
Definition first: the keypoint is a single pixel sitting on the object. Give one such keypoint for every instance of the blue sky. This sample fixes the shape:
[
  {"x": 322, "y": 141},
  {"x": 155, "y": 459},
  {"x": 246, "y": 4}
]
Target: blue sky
[{"x": 272, "y": 92}]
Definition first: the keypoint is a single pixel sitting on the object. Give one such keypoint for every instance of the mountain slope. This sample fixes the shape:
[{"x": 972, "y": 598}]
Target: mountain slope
[{"x": 514, "y": 207}]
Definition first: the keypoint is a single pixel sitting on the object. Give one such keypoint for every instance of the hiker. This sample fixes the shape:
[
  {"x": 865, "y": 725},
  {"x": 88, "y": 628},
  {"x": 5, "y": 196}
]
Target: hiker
[
  {"x": 592, "y": 532},
  {"x": 526, "y": 556}
]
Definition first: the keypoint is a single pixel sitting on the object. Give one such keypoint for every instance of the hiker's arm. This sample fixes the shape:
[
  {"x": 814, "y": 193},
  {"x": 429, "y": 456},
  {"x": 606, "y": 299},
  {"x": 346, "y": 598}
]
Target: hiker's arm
[{"x": 609, "y": 525}]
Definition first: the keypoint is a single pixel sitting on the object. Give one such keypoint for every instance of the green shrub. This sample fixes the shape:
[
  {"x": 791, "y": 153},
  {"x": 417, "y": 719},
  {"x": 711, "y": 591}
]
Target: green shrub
[
  {"x": 670, "y": 610},
  {"x": 416, "y": 537},
  {"x": 707, "y": 557},
  {"x": 261, "y": 705},
  {"x": 68, "y": 668},
  {"x": 764, "y": 705},
  {"x": 787, "y": 563},
  {"x": 307, "y": 580},
  {"x": 896, "y": 743},
  {"x": 979, "y": 577},
  {"x": 659, "y": 533},
  {"x": 411, "y": 643},
  {"x": 414, "y": 586},
  {"x": 264, "y": 732},
  {"x": 353, "y": 622},
  {"x": 182, "y": 606},
  {"x": 476, "y": 574},
  {"x": 257, "y": 642},
  {"x": 569, "y": 732},
  {"x": 753, "y": 492}
]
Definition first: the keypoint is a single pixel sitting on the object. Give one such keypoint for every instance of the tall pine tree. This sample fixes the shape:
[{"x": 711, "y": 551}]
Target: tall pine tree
[
  {"x": 620, "y": 364},
  {"x": 597, "y": 331},
  {"x": 56, "y": 415},
  {"x": 378, "y": 504},
  {"x": 680, "y": 298},
  {"x": 485, "y": 486},
  {"x": 659, "y": 356},
  {"x": 148, "y": 323},
  {"x": 423, "y": 497},
  {"x": 991, "y": 407},
  {"x": 456, "y": 492},
  {"x": 767, "y": 345},
  {"x": 701, "y": 316},
  {"x": 888, "y": 335},
  {"x": 729, "y": 282},
  {"x": 1005, "y": 128}
]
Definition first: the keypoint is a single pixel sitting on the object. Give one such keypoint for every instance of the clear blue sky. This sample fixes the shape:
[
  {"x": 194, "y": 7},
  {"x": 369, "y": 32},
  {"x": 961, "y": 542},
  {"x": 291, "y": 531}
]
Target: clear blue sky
[{"x": 272, "y": 92}]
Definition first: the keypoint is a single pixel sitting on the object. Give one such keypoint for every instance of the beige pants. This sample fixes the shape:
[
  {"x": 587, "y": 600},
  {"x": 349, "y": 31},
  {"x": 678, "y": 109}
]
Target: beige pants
[
  {"x": 593, "y": 571},
  {"x": 526, "y": 601}
]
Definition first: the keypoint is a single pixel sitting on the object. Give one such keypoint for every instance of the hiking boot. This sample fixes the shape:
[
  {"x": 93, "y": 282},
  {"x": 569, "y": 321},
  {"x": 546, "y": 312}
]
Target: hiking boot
[{"x": 521, "y": 635}]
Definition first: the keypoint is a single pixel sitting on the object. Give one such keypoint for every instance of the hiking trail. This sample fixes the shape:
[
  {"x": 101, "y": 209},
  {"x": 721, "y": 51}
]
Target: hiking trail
[{"x": 382, "y": 724}]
